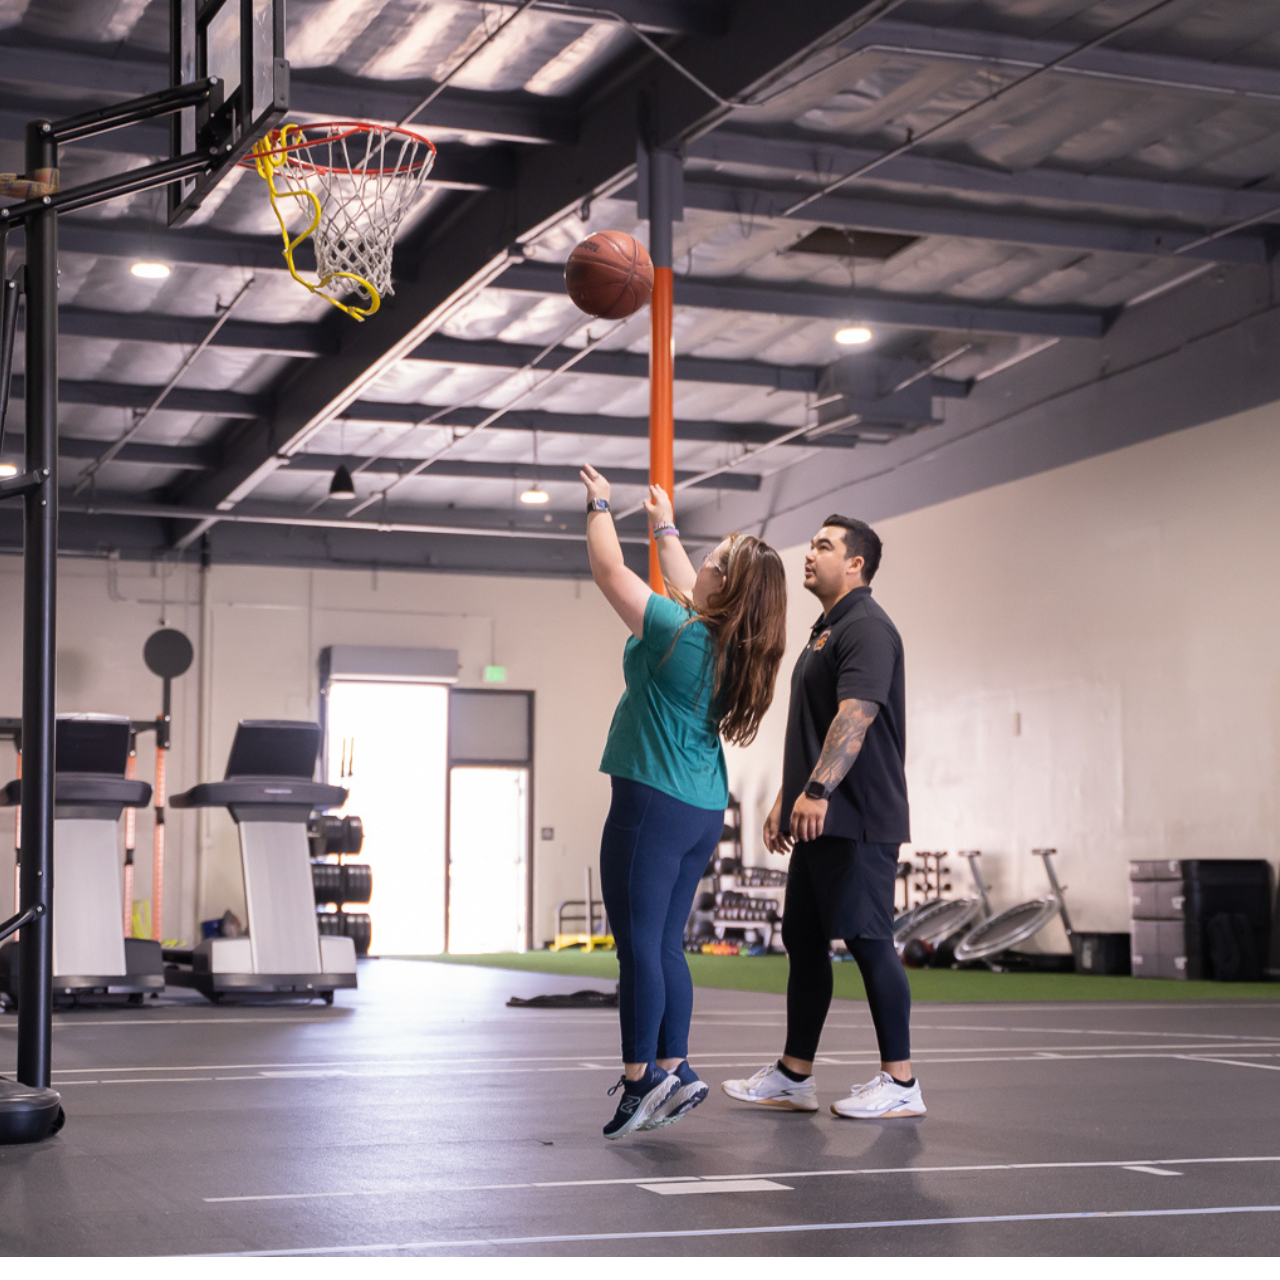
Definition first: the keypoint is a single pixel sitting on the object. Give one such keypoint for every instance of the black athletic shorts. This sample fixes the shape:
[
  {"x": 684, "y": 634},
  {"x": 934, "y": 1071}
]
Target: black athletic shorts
[{"x": 849, "y": 885}]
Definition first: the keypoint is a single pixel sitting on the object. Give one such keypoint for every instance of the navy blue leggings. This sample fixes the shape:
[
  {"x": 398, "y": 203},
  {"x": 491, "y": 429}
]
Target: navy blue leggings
[{"x": 653, "y": 852}]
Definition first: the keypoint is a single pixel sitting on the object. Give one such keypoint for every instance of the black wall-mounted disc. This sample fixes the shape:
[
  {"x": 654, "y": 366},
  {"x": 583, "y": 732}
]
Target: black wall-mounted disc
[{"x": 167, "y": 653}]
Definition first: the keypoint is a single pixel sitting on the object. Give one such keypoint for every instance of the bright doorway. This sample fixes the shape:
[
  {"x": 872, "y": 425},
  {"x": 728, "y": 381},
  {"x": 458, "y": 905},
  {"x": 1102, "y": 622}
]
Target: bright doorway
[{"x": 388, "y": 743}]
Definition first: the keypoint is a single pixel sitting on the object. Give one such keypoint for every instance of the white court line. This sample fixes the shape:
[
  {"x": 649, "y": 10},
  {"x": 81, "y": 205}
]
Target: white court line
[
  {"x": 214, "y": 1017},
  {"x": 712, "y": 1188},
  {"x": 851, "y": 1061},
  {"x": 1147, "y": 1168},
  {"x": 788, "y": 1175},
  {"x": 1227, "y": 1062},
  {"x": 835, "y": 1057},
  {"x": 1084, "y": 1031},
  {"x": 754, "y": 1231},
  {"x": 70, "y": 1024}
]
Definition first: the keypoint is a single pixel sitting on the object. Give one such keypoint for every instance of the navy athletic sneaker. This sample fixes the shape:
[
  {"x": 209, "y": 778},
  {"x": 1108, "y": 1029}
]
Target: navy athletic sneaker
[
  {"x": 640, "y": 1099},
  {"x": 680, "y": 1101}
]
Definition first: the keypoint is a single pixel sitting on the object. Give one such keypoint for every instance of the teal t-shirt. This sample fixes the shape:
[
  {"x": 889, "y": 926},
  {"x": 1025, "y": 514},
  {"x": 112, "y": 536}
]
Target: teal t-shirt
[{"x": 663, "y": 732}]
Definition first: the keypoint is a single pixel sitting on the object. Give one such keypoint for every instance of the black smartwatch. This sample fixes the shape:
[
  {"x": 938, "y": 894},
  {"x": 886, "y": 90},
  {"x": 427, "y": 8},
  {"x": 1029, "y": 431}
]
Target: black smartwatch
[
  {"x": 597, "y": 504},
  {"x": 817, "y": 790}
]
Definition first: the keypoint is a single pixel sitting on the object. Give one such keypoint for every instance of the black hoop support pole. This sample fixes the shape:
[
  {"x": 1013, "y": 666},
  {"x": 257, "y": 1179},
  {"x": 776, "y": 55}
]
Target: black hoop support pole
[{"x": 39, "y": 625}]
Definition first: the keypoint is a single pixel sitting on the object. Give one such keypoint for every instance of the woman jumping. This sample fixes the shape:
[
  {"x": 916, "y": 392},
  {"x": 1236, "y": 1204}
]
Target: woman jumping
[{"x": 699, "y": 666}]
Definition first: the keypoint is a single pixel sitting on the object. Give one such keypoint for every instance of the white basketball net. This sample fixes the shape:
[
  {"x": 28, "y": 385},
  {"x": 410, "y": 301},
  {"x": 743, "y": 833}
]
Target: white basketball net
[{"x": 366, "y": 181}]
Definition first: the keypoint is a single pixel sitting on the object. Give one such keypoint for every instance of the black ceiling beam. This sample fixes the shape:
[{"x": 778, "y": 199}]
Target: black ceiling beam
[
  {"x": 81, "y": 449},
  {"x": 601, "y": 425},
  {"x": 518, "y": 117},
  {"x": 235, "y": 404},
  {"x": 970, "y": 222},
  {"x": 195, "y": 458},
  {"x": 1019, "y": 54},
  {"x": 442, "y": 349},
  {"x": 657, "y": 17},
  {"x": 123, "y": 395},
  {"x": 765, "y": 40},
  {"x": 542, "y": 473},
  {"x": 847, "y": 305},
  {"x": 288, "y": 339},
  {"x": 814, "y": 158},
  {"x": 139, "y": 537},
  {"x": 473, "y": 522},
  {"x": 310, "y": 340},
  {"x": 457, "y": 167}
]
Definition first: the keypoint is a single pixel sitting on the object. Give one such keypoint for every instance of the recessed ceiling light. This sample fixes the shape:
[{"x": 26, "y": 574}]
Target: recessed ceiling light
[
  {"x": 535, "y": 497},
  {"x": 7, "y": 469},
  {"x": 150, "y": 270},
  {"x": 853, "y": 337}
]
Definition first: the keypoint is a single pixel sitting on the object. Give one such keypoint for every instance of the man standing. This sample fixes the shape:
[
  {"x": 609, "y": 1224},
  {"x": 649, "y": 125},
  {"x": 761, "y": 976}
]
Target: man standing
[{"x": 842, "y": 813}]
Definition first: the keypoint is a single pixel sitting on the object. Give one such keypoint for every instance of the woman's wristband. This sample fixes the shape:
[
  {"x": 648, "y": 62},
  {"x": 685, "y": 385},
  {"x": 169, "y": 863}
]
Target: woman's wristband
[{"x": 665, "y": 530}]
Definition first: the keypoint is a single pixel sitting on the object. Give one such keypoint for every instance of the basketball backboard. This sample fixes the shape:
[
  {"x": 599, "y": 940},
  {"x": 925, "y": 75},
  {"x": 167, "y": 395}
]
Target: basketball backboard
[{"x": 241, "y": 42}]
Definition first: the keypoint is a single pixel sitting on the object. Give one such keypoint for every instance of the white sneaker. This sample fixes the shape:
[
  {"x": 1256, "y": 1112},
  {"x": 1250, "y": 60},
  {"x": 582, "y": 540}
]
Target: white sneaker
[
  {"x": 770, "y": 1088},
  {"x": 883, "y": 1098}
]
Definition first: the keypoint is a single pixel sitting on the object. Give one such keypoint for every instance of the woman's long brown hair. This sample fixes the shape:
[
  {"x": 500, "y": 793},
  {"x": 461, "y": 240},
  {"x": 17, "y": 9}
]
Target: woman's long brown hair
[{"x": 747, "y": 619}]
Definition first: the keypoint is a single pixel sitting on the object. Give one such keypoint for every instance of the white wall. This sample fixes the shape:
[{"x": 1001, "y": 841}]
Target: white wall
[
  {"x": 265, "y": 631},
  {"x": 1093, "y": 664}
]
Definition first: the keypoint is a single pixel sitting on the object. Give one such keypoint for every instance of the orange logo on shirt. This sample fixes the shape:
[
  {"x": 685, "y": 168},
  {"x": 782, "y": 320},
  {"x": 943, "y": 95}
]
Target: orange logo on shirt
[{"x": 821, "y": 640}]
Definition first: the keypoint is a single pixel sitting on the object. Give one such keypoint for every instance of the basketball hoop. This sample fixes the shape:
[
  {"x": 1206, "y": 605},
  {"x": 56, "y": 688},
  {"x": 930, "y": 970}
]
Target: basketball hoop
[{"x": 356, "y": 181}]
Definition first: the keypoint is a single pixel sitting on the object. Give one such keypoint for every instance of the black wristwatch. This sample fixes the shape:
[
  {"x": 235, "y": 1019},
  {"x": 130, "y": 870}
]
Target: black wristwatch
[
  {"x": 597, "y": 504},
  {"x": 818, "y": 791}
]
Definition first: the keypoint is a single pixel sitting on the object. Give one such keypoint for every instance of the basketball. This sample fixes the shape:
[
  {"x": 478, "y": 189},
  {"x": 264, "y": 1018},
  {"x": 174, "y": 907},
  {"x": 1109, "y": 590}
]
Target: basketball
[{"x": 609, "y": 275}]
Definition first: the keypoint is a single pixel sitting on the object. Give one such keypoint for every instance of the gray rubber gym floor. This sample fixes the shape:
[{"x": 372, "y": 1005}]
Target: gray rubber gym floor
[{"x": 420, "y": 1116}]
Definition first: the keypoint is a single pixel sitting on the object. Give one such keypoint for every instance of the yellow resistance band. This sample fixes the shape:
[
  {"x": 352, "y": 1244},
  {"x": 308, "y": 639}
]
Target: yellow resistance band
[{"x": 267, "y": 163}]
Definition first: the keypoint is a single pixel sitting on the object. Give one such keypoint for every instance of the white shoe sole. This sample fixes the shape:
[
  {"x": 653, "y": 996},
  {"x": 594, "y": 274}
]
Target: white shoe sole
[
  {"x": 652, "y": 1102},
  {"x": 678, "y": 1105},
  {"x": 900, "y": 1113},
  {"x": 779, "y": 1104}
]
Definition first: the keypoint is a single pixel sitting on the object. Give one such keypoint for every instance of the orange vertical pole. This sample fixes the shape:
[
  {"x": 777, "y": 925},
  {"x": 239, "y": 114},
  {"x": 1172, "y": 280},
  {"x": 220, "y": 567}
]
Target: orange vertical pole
[
  {"x": 662, "y": 423},
  {"x": 660, "y": 183}
]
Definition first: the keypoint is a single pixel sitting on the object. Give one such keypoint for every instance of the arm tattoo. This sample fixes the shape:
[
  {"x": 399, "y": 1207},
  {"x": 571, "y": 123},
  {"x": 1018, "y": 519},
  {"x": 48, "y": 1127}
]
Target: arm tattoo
[{"x": 844, "y": 740}]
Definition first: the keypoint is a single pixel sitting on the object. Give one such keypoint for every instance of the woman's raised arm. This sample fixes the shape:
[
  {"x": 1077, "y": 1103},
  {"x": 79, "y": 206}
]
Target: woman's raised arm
[{"x": 626, "y": 591}]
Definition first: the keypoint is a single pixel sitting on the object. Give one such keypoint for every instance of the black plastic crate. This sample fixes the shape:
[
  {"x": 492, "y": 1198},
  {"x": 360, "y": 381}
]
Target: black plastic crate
[{"x": 1103, "y": 953}]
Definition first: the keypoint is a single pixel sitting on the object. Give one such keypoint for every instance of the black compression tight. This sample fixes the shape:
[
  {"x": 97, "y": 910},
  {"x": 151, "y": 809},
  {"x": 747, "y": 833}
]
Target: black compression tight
[{"x": 809, "y": 986}]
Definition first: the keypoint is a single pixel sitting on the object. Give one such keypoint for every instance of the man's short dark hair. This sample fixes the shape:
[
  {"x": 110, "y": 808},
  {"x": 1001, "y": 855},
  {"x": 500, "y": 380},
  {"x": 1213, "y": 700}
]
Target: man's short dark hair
[{"x": 859, "y": 540}]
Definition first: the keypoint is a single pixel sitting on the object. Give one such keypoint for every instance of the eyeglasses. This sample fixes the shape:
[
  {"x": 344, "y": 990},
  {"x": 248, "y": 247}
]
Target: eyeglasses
[{"x": 713, "y": 563}]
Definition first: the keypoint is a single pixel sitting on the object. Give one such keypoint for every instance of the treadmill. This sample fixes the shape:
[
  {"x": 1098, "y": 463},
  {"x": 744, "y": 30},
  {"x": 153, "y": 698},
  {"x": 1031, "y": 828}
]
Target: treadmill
[
  {"x": 91, "y": 955},
  {"x": 270, "y": 792}
]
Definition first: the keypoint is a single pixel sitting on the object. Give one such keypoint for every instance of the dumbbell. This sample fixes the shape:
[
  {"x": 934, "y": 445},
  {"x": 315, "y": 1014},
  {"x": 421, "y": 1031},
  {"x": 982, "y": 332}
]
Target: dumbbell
[
  {"x": 357, "y": 882},
  {"x": 359, "y": 928}
]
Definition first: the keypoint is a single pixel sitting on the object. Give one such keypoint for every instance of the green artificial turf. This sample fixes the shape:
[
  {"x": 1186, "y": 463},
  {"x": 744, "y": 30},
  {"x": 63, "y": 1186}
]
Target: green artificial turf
[{"x": 769, "y": 974}]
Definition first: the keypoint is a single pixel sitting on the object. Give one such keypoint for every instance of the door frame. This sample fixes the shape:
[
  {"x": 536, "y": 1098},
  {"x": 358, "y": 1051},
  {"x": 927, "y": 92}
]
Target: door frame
[{"x": 531, "y": 698}]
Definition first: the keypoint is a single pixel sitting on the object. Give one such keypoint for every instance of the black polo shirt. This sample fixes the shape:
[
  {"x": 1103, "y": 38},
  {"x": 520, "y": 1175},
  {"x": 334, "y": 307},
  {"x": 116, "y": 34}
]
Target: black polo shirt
[{"x": 854, "y": 651}]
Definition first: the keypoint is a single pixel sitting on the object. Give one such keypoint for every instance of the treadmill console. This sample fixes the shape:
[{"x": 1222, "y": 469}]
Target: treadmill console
[
  {"x": 274, "y": 749},
  {"x": 91, "y": 744}
]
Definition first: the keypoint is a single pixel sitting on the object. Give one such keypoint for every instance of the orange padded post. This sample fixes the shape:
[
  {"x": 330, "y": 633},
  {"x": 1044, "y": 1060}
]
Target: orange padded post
[{"x": 662, "y": 422}]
